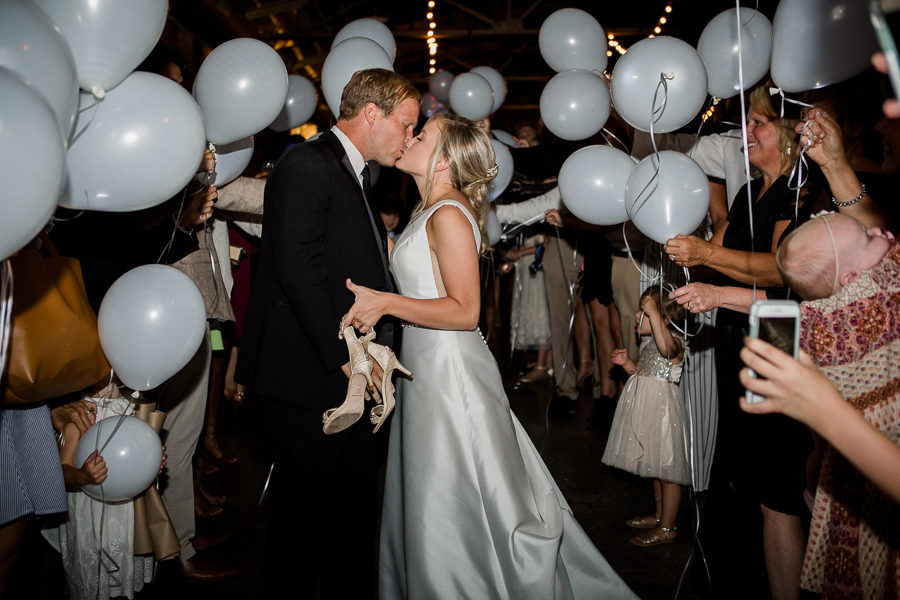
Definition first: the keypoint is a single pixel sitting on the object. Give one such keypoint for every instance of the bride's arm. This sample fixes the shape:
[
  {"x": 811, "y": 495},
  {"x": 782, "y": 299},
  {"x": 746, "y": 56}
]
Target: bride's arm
[{"x": 451, "y": 239}]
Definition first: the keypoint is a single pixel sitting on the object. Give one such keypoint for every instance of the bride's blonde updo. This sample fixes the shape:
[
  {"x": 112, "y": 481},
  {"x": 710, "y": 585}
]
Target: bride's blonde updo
[{"x": 472, "y": 164}]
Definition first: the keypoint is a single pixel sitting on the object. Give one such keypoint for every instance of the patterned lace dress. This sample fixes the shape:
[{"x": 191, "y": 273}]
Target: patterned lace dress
[{"x": 854, "y": 338}]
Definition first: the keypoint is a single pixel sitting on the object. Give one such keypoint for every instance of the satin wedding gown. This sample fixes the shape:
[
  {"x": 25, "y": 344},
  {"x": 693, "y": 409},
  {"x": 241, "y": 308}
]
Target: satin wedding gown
[{"x": 470, "y": 510}]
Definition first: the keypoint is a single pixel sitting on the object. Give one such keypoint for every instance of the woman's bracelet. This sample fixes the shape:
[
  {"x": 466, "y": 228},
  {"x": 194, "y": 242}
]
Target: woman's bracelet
[{"x": 850, "y": 202}]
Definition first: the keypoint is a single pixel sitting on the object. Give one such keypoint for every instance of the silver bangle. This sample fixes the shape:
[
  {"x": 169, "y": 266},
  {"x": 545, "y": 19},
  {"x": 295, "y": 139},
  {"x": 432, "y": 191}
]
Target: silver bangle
[{"x": 850, "y": 202}]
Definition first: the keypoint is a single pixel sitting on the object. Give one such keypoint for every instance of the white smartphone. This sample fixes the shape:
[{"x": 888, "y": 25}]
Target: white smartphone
[
  {"x": 885, "y": 16},
  {"x": 776, "y": 322}
]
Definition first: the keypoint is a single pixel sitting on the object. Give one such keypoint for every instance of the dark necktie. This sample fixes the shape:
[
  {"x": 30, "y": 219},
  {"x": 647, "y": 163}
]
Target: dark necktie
[{"x": 367, "y": 183}]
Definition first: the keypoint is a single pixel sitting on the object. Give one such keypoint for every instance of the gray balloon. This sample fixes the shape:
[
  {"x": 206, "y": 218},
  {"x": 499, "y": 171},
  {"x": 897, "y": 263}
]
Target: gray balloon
[
  {"x": 505, "y": 137},
  {"x": 471, "y": 96},
  {"x": 232, "y": 160},
  {"x": 32, "y": 163},
  {"x": 575, "y": 104},
  {"x": 299, "y": 105},
  {"x": 32, "y": 47},
  {"x": 498, "y": 85},
  {"x": 504, "y": 158},
  {"x": 819, "y": 42},
  {"x": 673, "y": 201},
  {"x": 345, "y": 59},
  {"x": 135, "y": 148},
  {"x": 371, "y": 29},
  {"x": 592, "y": 184},
  {"x": 571, "y": 38},
  {"x": 439, "y": 85},
  {"x": 636, "y": 78},
  {"x": 132, "y": 452},
  {"x": 718, "y": 48},
  {"x": 151, "y": 322},
  {"x": 240, "y": 87},
  {"x": 493, "y": 228},
  {"x": 108, "y": 38}
]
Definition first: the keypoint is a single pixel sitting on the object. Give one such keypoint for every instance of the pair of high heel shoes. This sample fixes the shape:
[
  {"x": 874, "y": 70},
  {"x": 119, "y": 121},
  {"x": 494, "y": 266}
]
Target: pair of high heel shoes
[{"x": 362, "y": 352}]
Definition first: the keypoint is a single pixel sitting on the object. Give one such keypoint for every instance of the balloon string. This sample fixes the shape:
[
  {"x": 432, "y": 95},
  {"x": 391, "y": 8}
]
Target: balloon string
[
  {"x": 656, "y": 113},
  {"x": 652, "y": 280},
  {"x": 606, "y": 132},
  {"x": 777, "y": 90},
  {"x": 6, "y": 303},
  {"x": 745, "y": 142},
  {"x": 177, "y": 218},
  {"x": 88, "y": 124}
]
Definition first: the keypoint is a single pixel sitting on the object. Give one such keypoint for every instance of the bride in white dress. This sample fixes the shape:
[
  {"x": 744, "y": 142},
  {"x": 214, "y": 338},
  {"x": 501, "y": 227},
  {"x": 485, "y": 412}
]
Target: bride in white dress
[{"x": 470, "y": 510}]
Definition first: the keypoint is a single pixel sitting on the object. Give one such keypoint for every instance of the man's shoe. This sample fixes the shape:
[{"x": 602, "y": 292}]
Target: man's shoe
[
  {"x": 204, "y": 571},
  {"x": 202, "y": 542}
]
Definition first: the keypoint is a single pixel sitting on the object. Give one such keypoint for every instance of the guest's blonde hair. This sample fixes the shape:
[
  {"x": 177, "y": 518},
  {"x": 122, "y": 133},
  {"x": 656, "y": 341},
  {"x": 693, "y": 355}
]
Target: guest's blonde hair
[
  {"x": 471, "y": 164},
  {"x": 762, "y": 102}
]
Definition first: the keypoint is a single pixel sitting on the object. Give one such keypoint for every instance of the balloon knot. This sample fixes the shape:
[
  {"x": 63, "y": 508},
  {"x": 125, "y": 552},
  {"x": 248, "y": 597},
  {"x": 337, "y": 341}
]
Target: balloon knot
[{"x": 98, "y": 92}]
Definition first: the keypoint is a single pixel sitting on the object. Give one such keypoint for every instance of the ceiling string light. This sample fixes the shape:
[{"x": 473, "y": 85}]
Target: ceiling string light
[
  {"x": 430, "y": 38},
  {"x": 657, "y": 29}
]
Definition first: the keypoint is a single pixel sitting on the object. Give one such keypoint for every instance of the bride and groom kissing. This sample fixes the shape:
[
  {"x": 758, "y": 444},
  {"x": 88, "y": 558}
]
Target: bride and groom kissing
[{"x": 470, "y": 510}]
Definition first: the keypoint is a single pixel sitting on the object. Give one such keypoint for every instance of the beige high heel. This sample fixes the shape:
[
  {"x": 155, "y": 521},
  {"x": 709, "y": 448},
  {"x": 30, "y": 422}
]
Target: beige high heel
[
  {"x": 388, "y": 362},
  {"x": 338, "y": 419}
]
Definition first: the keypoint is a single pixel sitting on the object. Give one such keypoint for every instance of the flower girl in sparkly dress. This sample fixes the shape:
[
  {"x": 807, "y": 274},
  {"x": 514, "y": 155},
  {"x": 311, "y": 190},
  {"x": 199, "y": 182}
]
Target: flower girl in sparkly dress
[{"x": 647, "y": 433}]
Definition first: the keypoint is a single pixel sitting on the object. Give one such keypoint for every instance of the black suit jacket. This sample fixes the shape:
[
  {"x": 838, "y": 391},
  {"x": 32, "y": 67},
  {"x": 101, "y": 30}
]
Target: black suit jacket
[{"x": 317, "y": 232}]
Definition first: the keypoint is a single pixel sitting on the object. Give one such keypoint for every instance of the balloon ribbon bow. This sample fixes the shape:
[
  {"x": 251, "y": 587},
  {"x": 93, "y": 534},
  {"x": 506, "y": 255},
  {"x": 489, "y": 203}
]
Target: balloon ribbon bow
[{"x": 780, "y": 92}]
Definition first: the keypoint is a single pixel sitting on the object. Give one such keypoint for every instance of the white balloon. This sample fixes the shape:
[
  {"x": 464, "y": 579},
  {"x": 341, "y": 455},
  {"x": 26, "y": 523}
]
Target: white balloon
[
  {"x": 592, "y": 184},
  {"x": 439, "y": 85},
  {"x": 573, "y": 39},
  {"x": 240, "y": 87},
  {"x": 370, "y": 29},
  {"x": 504, "y": 158},
  {"x": 151, "y": 323},
  {"x": 31, "y": 46},
  {"x": 132, "y": 452},
  {"x": 498, "y": 85},
  {"x": 32, "y": 163},
  {"x": 345, "y": 59},
  {"x": 575, "y": 104},
  {"x": 108, "y": 38},
  {"x": 819, "y": 42},
  {"x": 299, "y": 105},
  {"x": 471, "y": 96},
  {"x": 636, "y": 79},
  {"x": 718, "y": 48},
  {"x": 673, "y": 201},
  {"x": 135, "y": 148},
  {"x": 492, "y": 228},
  {"x": 232, "y": 159},
  {"x": 505, "y": 137}
]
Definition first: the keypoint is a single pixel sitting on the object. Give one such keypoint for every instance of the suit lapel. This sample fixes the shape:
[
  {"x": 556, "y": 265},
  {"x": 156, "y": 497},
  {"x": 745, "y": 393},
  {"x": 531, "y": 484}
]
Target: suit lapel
[{"x": 335, "y": 144}]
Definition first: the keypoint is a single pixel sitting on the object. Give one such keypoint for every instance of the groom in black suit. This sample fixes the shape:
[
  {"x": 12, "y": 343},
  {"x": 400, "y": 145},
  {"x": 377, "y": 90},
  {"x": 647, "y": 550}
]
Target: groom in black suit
[{"x": 318, "y": 230}]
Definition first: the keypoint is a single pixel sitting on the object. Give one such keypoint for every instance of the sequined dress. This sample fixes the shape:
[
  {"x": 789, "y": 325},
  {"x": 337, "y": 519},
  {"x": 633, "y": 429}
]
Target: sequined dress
[
  {"x": 647, "y": 435},
  {"x": 470, "y": 509}
]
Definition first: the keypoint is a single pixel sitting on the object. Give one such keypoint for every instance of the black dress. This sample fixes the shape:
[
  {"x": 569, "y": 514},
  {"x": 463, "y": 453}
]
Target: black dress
[{"x": 765, "y": 455}]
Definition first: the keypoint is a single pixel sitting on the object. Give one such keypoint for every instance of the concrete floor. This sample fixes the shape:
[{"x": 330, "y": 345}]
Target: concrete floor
[{"x": 602, "y": 499}]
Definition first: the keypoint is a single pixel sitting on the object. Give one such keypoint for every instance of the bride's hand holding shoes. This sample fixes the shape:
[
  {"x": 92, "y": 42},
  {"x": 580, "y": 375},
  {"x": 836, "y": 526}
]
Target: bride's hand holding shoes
[{"x": 367, "y": 309}]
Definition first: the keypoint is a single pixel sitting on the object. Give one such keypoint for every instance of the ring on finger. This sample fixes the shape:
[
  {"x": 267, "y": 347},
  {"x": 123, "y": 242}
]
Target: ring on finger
[
  {"x": 671, "y": 257},
  {"x": 689, "y": 305}
]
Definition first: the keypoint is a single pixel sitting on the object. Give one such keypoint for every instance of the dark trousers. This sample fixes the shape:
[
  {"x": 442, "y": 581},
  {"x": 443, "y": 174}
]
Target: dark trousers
[{"x": 322, "y": 520}]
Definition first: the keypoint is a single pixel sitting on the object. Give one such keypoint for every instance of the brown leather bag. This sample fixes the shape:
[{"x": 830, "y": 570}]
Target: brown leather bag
[{"x": 54, "y": 347}]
